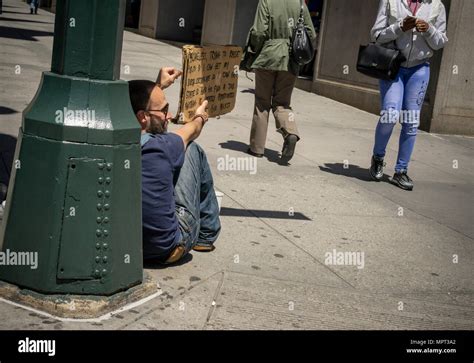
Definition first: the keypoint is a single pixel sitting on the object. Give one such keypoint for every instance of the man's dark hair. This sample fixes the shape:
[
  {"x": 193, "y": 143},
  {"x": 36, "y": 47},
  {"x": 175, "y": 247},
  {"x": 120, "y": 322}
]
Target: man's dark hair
[{"x": 140, "y": 93}]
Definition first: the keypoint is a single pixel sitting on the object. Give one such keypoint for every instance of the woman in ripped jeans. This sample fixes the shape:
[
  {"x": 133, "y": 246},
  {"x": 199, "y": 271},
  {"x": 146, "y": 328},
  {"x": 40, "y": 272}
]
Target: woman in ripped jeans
[{"x": 418, "y": 28}]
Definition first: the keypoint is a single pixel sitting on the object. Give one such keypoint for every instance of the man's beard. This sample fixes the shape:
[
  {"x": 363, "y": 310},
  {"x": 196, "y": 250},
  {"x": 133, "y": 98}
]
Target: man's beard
[{"x": 157, "y": 126}]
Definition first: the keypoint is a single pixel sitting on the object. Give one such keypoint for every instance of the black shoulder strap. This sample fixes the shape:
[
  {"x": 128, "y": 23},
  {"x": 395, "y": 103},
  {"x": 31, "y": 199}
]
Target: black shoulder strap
[{"x": 301, "y": 10}]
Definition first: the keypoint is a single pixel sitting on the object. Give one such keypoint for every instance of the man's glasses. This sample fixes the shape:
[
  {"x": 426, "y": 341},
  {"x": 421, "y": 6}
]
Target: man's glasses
[{"x": 164, "y": 109}]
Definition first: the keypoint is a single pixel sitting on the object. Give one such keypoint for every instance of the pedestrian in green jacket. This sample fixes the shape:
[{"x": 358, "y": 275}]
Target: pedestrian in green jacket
[{"x": 275, "y": 71}]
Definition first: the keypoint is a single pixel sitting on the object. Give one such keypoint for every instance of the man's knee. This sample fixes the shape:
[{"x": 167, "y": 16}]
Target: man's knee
[
  {"x": 195, "y": 155},
  {"x": 194, "y": 149},
  {"x": 195, "y": 145}
]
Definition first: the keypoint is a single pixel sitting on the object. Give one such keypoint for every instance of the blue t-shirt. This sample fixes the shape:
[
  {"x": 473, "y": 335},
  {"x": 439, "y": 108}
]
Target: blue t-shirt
[{"x": 162, "y": 158}]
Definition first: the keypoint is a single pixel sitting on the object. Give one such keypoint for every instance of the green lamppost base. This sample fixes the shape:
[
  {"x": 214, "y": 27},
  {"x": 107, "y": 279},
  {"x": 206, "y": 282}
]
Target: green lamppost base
[{"x": 74, "y": 202}]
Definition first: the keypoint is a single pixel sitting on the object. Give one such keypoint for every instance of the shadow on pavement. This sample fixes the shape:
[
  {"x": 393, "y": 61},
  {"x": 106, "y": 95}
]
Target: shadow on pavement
[
  {"x": 248, "y": 90},
  {"x": 150, "y": 264},
  {"x": 234, "y": 212},
  {"x": 7, "y": 110},
  {"x": 27, "y": 12},
  {"x": 272, "y": 156},
  {"x": 351, "y": 171},
  {"x": 23, "y": 34},
  {"x": 7, "y": 152},
  {"x": 25, "y": 20}
]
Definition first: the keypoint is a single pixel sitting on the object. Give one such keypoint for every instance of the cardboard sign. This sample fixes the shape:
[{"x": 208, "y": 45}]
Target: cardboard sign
[{"x": 209, "y": 73}]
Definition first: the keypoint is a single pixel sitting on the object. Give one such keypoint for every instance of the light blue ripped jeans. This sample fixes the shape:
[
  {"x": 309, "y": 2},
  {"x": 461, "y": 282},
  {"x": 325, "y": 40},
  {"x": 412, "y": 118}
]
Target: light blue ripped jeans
[{"x": 402, "y": 100}]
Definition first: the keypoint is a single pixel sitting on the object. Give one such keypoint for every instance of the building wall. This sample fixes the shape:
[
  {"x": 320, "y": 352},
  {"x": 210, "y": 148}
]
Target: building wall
[
  {"x": 218, "y": 24},
  {"x": 454, "y": 105},
  {"x": 244, "y": 18},
  {"x": 189, "y": 12},
  {"x": 228, "y": 21},
  {"x": 148, "y": 18},
  {"x": 336, "y": 75}
]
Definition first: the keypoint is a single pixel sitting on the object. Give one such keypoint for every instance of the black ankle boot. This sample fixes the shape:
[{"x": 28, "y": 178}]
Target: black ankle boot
[
  {"x": 376, "y": 168},
  {"x": 402, "y": 180}
]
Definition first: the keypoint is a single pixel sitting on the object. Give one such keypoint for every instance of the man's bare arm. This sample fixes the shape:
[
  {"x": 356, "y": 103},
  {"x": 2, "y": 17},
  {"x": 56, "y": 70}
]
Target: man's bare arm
[{"x": 192, "y": 130}]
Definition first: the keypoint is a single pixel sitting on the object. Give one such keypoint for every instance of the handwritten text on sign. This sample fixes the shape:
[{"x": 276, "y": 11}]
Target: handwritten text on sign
[{"x": 209, "y": 73}]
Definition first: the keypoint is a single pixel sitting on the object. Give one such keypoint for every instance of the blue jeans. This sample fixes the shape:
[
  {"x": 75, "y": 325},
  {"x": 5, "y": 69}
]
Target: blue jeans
[
  {"x": 402, "y": 100},
  {"x": 197, "y": 209}
]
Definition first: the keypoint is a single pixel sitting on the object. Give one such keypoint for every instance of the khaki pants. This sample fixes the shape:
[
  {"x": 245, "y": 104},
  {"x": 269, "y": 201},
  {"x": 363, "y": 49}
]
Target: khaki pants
[{"x": 273, "y": 91}]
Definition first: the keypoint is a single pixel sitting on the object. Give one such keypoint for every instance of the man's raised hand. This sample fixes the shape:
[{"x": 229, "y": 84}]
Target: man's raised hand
[{"x": 167, "y": 76}]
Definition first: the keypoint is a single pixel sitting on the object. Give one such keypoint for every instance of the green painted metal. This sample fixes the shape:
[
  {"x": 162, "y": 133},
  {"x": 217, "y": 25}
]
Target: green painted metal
[{"x": 75, "y": 191}]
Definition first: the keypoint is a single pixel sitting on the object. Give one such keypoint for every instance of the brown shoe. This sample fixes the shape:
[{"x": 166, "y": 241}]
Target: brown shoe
[
  {"x": 203, "y": 248},
  {"x": 289, "y": 146},
  {"x": 176, "y": 255},
  {"x": 257, "y": 155}
]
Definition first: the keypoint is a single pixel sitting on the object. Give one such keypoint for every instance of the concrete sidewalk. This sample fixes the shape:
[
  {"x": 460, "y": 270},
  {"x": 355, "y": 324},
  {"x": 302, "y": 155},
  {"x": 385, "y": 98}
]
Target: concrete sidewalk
[{"x": 270, "y": 270}]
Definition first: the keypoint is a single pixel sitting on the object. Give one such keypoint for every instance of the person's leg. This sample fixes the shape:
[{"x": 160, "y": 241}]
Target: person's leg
[
  {"x": 264, "y": 83},
  {"x": 416, "y": 86},
  {"x": 391, "y": 94},
  {"x": 281, "y": 104},
  {"x": 284, "y": 116},
  {"x": 196, "y": 203},
  {"x": 210, "y": 225}
]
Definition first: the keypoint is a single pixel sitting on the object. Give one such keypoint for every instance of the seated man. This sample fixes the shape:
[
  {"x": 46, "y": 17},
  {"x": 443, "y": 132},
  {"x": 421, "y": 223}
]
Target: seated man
[{"x": 180, "y": 210}]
